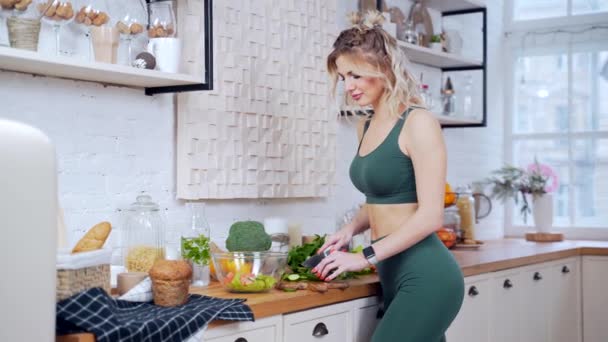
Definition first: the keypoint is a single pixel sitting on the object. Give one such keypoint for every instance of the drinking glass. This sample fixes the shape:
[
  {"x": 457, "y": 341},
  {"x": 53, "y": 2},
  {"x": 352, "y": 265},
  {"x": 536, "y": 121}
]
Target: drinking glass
[
  {"x": 132, "y": 20},
  {"x": 56, "y": 13},
  {"x": 162, "y": 20}
]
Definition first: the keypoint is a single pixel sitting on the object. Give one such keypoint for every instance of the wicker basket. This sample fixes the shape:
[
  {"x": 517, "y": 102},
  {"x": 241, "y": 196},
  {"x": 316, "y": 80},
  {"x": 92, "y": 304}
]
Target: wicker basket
[
  {"x": 23, "y": 33},
  {"x": 71, "y": 282},
  {"x": 77, "y": 272}
]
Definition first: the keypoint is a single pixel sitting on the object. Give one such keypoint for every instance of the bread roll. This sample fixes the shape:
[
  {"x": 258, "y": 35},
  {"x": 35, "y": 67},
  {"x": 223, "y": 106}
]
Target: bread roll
[
  {"x": 94, "y": 238},
  {"x": 170, "y": 282}
]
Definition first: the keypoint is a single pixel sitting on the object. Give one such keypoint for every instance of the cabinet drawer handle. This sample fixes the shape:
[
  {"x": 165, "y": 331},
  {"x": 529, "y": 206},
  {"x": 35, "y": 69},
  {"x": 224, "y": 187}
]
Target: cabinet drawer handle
[
  {"x": 537, "y": 276},
  {"x": 473, "y": 291},
  {"x": 565, "y": 269},
  {"x": 320, "y": 330},
  {"x": 507, "y": 284},
  {"x": 240, "y": 339}
]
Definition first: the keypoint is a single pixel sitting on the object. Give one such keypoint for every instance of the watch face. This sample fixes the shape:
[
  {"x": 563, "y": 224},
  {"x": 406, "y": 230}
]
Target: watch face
[{"x": 368, "y": 252}]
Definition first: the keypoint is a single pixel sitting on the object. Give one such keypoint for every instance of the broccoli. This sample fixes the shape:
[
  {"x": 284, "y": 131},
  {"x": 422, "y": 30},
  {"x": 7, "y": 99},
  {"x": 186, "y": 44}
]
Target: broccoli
[{"x": 248, "y": 236}]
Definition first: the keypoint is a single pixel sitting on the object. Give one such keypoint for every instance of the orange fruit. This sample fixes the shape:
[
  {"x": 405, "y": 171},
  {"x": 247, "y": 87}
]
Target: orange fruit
[{"x": 450, "y": 196}]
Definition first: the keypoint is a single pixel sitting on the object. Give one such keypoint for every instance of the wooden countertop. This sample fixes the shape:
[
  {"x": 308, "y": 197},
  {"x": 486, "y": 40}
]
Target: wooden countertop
[
  {"x": 276, "y": 302},
  {"x": 496, "y": 255},
  {"x": 493, "y": 255}
]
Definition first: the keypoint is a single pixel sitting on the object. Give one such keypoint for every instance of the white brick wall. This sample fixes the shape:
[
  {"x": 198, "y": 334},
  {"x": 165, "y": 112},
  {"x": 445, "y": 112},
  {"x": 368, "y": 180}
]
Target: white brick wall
[{"x": 114, "y": 142}]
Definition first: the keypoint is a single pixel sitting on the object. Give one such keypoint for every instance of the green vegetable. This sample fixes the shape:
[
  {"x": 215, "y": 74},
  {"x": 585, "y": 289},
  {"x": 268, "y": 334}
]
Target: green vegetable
[
  {"x": 196, "y": 249},
  {"x": 251, "y": 283},
  {"x": 248, "y": 236},
  {"x": 293, "y": 277},
  {"x": 298, "y": 254}
]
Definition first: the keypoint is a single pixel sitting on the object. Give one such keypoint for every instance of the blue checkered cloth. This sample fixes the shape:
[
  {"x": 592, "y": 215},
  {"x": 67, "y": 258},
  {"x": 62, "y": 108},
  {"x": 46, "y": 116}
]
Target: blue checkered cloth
[{"x": 113, "y": 320}]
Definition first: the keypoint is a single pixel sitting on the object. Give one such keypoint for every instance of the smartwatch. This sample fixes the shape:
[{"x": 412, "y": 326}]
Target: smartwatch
[{"x": 370, "y": 255}]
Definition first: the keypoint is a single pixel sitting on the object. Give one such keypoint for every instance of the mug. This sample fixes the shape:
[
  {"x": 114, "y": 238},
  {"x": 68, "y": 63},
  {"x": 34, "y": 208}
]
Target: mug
[{"x": 167, "y": 52}]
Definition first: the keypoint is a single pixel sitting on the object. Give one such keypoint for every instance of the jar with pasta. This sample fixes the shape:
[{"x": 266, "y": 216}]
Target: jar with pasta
[{"x": 145, "y": 227}]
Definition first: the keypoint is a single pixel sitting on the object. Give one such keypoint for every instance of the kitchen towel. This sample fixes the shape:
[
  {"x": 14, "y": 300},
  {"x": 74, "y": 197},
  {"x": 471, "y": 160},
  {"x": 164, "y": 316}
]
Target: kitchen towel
[{"x": 112, "y": 320}]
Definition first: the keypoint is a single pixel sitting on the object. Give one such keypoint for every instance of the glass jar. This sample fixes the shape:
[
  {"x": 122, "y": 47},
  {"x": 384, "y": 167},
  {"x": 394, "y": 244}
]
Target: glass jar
[
  {"x": 145, "y": 228},
  {"x": 194, "y": 244},
  {"x": 466, "y": 209},
  {"x": 451, "y": 219},
  {"x": 162, "y": 20}
]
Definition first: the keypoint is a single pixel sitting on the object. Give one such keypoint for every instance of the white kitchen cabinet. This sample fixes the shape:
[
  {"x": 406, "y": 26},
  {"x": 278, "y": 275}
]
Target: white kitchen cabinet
[
  {"x": 505, "y": 303},
  {"x": 595, "y": 298},
  {"x": 365, "y": 318},
  {"x": 535, "y": 308},
  {"x": 565, "y": 301},
  {"x": 268, "y": 329},
  {"x": 332, "y": 323},
  {"x": 472, "y": 322}
]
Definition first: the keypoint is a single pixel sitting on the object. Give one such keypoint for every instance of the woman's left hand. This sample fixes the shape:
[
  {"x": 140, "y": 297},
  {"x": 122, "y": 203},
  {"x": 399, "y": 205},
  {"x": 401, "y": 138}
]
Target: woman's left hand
[{"x": 339, "y": 262}]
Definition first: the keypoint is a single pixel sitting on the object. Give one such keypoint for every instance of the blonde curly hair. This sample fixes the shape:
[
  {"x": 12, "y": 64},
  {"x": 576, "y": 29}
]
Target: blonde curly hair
[{"x": 378, "y": 55}]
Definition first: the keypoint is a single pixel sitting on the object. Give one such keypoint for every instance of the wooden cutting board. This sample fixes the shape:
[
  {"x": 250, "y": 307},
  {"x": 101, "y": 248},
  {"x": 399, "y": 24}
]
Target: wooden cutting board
[{"x": 544, "y": 237}]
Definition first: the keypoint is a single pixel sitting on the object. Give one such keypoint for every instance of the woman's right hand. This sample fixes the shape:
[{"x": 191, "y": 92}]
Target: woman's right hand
[{"x": 337, "y": 240}]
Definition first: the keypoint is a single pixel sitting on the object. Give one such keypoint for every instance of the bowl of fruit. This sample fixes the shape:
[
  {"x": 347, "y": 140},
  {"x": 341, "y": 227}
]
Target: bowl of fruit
[{"x": 248, "y": 271}]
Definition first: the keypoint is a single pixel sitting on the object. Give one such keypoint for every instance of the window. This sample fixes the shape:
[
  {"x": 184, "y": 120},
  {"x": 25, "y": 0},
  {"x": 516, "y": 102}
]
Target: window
[
  {"x": 558, "y": 111},
  {"x": 542, "y": 9}
]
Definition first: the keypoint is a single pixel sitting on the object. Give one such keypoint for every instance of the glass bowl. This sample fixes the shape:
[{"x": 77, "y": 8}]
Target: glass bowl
[{"x": 249, "y": 271}]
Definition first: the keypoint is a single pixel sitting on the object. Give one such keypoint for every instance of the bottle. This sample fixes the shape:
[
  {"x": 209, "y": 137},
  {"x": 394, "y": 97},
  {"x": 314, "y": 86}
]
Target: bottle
[
  {"x": 145, "y": 228},
  {"x": 449, "y": 98},
  {"x": 467, "y": 97},
  {"x": 466, "y": 209},
  {"x": 194, "y": 244}
]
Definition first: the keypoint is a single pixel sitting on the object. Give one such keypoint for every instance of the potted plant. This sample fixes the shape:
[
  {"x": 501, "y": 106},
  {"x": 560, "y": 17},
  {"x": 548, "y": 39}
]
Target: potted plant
[
  {"x": 436, "y": 42},
  {"x": 537, "y": 180}
]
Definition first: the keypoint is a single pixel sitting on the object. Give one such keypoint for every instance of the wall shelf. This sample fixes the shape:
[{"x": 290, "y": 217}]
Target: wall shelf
[
  {"x": 455, "y": 120},
  {"x": 455, "y": 5},
  {"x": 64, "y": 67},
  {"x": 439, "y": 59}
]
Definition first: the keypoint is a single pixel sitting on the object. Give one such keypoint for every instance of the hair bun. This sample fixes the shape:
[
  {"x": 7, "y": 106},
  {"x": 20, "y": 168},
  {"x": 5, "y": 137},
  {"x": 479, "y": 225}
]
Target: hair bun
[{"x": 371, "y": 19}]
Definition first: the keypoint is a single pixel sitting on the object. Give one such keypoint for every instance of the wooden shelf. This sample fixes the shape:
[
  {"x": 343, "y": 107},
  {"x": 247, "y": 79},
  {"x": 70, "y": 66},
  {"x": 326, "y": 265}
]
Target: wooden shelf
[
  {"x": 438, "y": 59},
  {"x": 455, "y": 120},
  {"x": 64, "y": 67},
  {"x": 455, "y": 5}
]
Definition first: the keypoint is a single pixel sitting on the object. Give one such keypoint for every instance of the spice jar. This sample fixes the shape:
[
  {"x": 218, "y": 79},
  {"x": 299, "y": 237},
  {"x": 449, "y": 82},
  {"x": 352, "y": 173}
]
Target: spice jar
[
  {"x": 466, "y": 209},
  {"x": 145, "y": 229}
]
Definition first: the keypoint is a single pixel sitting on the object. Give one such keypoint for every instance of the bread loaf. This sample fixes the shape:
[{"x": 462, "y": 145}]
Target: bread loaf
[
  {"x": 94, "y": 238},
  {"x": 170, "y": 282}
]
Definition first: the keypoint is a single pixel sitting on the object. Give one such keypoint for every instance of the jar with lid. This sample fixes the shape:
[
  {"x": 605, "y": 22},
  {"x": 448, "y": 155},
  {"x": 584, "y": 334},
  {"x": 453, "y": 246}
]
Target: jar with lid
[
  {"x": 466, "y": 209},
  {"x": 145, "y": 229},
  {"x": 451, "y": 219},
  {"x": 195, "y": 244}
]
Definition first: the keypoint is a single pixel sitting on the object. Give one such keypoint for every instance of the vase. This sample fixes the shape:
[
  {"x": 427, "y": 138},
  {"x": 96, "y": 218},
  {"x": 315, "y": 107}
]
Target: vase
[
  {"x": 200, "y": 275},
  {"x": 542, "y": 210}
]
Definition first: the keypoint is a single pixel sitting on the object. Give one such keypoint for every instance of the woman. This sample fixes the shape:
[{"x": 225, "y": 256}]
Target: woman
[{"x": 400, "y": 166}]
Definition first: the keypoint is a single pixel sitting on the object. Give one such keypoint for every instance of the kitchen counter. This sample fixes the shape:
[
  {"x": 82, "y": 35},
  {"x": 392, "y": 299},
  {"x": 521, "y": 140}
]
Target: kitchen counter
[{"x": 494, "y": 255}]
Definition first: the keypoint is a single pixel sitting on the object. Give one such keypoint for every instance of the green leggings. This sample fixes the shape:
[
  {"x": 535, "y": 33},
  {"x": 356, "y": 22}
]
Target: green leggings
[{"x": 423, "y": 289}]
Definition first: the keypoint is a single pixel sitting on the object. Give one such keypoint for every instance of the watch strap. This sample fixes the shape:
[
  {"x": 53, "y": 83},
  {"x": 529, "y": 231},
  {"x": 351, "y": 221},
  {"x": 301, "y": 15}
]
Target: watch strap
[{"x": 370, "y": 255}]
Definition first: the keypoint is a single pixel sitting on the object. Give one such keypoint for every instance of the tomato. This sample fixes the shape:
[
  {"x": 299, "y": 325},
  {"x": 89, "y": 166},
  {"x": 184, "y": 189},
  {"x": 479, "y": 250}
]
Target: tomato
[
  {"x": 228, "y": 278},
  {"x": 247, "y": 279}
]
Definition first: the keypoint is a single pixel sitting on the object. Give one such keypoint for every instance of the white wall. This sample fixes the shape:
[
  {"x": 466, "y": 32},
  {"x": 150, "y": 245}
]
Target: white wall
[{"x": 114, "y": 142}]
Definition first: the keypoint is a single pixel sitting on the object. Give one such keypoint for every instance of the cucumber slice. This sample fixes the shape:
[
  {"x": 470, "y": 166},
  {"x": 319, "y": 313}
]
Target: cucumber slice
[{"x": 293, "y": 277}]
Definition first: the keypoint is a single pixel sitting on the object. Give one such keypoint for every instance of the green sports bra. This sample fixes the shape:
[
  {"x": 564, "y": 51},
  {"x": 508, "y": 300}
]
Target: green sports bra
[{"x": 386, "y": 174}]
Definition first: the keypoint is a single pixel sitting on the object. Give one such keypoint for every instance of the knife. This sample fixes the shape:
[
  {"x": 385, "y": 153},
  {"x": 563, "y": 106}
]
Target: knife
[{"x": 316, "y": 259}]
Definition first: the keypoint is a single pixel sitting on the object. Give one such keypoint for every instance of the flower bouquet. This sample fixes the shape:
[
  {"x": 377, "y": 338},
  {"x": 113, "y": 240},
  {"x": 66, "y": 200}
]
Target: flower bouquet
[{"x": 514, "y": 182}]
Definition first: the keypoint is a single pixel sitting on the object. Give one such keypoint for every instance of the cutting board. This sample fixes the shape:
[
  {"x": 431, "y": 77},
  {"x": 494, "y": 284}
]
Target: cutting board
[{"x": 544, "y": 237}]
